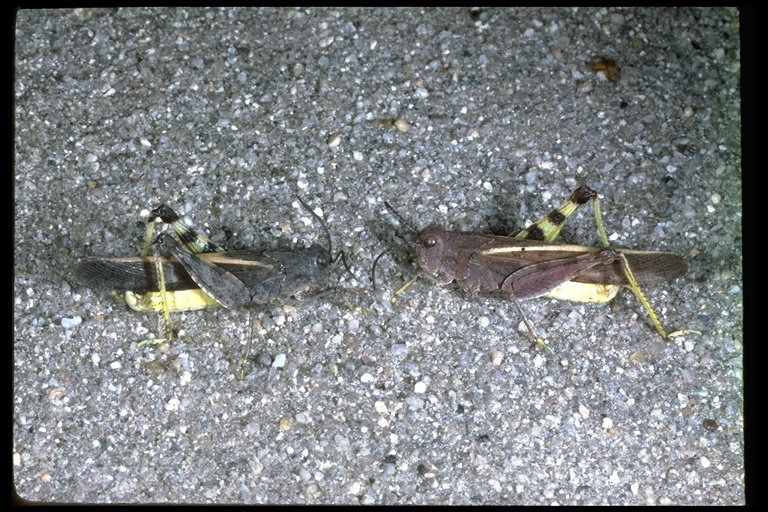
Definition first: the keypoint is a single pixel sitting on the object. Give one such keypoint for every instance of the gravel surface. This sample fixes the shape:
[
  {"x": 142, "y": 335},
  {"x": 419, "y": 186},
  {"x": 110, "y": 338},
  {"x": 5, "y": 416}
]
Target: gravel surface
[{"x": 472, "y": 119}]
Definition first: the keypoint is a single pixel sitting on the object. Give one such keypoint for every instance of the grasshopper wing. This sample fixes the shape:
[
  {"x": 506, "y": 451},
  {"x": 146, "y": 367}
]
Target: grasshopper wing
[
  {"x": 135, "y": 274},
  {"x": 649, "y": 268}
]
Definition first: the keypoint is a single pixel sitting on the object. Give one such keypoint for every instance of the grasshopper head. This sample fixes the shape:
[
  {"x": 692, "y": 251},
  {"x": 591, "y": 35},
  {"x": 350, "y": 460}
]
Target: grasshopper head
[
  {"x": 430, "y": 249},
  {"x": 306, "y": 271},
  {"x": 319, "y": 261}
]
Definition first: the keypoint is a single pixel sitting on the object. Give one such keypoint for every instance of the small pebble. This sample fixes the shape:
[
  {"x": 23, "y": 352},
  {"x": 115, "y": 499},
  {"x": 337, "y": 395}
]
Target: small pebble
[{"x": 279, "y": 361}]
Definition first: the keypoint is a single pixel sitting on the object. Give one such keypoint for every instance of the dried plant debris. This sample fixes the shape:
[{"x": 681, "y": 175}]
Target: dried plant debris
[{"x": 607, "y": 67}]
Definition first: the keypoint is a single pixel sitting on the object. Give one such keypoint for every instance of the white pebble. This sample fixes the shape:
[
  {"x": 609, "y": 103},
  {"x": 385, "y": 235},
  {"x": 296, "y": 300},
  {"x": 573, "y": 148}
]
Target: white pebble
[
  {"x": 279, "y": 361},
  {"x": 69, "y": 323}
]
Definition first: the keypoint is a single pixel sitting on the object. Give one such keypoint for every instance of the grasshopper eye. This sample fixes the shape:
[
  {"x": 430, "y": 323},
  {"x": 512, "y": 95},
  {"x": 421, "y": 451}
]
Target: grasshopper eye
[
  {"x": 430, "y": 241},
  {"x": 323, "y": 259}
]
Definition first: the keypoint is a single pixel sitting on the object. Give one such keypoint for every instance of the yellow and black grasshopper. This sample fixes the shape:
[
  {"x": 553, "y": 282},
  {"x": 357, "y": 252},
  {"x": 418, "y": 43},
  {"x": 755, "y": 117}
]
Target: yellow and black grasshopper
[
  {"x": 197, "y": 273},
  {"x": 530, "y": 265}
]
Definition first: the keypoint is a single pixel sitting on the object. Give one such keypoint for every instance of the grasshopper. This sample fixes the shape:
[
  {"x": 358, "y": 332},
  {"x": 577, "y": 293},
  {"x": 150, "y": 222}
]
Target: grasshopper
[
  {"x": 196, "y": 273},
  {"x": 531, "y": 265}
]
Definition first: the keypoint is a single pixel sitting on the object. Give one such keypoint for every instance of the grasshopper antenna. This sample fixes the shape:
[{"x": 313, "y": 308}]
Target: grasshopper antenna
[
  {"x": 400, "y": 218},
  {"x": 373, "y": 267},
  {"x": 322, "y": 223},
  {"x": 405, "y": 223}
]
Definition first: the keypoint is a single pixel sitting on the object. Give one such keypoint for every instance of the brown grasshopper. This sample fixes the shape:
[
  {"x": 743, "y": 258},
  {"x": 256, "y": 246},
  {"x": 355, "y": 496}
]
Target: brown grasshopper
[{"x": 530, "y": 265}]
